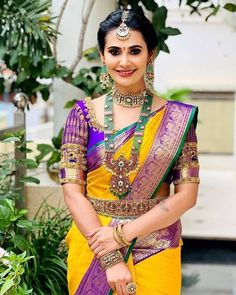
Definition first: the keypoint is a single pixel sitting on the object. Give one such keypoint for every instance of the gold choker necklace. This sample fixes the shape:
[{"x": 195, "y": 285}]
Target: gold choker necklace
[{"x": 129, "y": 100}]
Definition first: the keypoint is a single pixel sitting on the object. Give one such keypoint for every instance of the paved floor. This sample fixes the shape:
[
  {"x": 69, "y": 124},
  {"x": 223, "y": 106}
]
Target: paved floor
[
  {"x": 209, "y": 279},
  {"x": 214, "y": 215},
  {"x": 212, "y": 218}
]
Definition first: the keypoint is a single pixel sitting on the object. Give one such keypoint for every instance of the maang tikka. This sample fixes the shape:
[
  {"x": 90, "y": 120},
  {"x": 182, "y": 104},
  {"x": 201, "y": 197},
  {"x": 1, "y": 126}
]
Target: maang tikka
[{"x": 123, "y": 31}]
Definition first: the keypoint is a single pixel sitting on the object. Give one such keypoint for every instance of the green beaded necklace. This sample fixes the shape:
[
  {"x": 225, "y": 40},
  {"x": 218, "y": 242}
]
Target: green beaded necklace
[{"x": 121, "y": 167}]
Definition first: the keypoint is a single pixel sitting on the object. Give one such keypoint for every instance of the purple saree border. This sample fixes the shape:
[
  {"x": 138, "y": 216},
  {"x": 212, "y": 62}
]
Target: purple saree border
[{"x": 164, "y": 149}]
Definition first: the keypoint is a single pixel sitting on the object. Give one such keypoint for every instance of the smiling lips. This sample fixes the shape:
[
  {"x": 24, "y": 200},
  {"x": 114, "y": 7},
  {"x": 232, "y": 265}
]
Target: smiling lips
[{"x": 125, "y": 73}]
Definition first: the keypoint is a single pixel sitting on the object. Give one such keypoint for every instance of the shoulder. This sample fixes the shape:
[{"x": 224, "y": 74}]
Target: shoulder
[{"x": 181, "y": 104}]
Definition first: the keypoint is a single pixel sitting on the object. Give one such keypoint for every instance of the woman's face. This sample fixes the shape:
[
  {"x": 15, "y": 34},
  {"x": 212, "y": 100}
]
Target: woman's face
[{"x": 126, "y": 61}]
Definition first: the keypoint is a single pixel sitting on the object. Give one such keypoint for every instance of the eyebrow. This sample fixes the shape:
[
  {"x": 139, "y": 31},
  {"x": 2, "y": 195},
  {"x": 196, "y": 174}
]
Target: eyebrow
[{"x": 130, "y": 47}]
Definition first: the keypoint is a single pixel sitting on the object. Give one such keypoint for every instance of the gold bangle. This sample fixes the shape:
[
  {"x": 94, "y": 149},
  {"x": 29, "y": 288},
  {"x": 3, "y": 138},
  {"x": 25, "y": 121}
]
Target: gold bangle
[
  {"x": 117, "y": 238},
  {"x": 119, "y": 231},
  {"x": 111, "y": 258}
]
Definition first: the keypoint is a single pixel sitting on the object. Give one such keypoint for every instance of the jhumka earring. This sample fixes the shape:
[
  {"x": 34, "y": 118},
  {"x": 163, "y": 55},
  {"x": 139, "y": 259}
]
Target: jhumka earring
[
  {"x": 149, "y": 76},
  {"x": 104, "y": 78}
]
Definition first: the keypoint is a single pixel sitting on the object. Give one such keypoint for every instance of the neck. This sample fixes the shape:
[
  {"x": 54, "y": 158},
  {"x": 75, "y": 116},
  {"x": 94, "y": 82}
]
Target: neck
[{"x": 130, "y": 89}]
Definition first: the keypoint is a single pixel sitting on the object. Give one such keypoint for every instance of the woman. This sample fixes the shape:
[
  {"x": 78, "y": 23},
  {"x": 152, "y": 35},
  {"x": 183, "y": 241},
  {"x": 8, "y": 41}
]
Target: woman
[{"x": 120, "y": 154}]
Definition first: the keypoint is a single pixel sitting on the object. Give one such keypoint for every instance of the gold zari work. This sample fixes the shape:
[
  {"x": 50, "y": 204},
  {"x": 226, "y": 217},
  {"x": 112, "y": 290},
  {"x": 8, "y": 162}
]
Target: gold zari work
[
  {"x": 123, "y": 208},
  {"x": 73, "y": 156},
  {"x": 187, "y": 163}
]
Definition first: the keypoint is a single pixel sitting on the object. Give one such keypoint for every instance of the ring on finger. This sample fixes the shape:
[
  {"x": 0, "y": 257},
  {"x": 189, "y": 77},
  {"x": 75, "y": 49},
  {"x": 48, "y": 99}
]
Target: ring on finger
[{"x": 131, "y": 288}]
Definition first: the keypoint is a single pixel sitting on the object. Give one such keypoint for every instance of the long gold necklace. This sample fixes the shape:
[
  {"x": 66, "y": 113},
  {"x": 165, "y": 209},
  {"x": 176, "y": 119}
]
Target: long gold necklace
[{"x": 121, "y": 167}]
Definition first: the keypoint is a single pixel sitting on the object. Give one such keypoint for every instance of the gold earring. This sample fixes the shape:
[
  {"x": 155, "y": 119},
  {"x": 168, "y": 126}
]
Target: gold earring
[
  {"x": 104, "y": 78},
  {"x": 149, "y": 76}
]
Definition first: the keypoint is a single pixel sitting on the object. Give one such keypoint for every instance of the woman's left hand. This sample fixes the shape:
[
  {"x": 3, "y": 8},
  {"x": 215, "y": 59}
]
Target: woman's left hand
[{"x": 101, "y": 241}]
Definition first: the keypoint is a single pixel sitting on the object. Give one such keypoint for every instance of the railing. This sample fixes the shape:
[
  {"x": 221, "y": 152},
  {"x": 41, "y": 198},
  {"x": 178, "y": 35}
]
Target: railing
[{"x": 20, "y": 100}]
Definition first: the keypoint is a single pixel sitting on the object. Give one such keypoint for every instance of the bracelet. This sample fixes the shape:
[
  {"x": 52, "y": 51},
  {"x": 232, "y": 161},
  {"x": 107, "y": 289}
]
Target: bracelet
[
  {"x": 111, "y": 258},
  {"x": 117, "y": 237},
  {"x": 120, "y": 234}
]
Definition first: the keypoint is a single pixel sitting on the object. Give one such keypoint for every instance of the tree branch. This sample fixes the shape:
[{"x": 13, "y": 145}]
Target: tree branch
[
  {"x": 82, "y": 34},
  {"x": 57, "y": 27}
]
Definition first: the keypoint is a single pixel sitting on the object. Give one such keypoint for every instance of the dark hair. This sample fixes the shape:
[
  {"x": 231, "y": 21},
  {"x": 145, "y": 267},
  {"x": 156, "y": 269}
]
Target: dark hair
[{"x": 135, "y": 21}]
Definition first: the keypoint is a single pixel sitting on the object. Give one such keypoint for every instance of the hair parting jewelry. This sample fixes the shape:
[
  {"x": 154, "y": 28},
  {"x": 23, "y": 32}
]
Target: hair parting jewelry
[
  {"x": 123, "y": 31},
  {"x": 111, "y": 258}
]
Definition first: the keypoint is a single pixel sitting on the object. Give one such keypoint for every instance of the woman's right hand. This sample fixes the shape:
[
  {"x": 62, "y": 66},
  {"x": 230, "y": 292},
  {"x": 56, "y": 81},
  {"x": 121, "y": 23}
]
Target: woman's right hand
[{"x": 118, "y": 276}]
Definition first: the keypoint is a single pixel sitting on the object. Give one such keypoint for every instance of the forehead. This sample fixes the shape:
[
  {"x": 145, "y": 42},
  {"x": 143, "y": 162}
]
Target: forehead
[{"x": 136, "y": 38}]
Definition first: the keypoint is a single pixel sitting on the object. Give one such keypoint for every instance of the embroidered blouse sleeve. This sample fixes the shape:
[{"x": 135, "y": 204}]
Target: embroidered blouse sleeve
[
  {"x": 186, "y": 167},
  {"x": 74, "y": 148}
]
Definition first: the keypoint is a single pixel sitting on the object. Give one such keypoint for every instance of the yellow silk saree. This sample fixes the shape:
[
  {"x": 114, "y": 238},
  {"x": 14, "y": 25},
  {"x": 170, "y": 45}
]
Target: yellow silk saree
[{"x": 155, "y": 259}]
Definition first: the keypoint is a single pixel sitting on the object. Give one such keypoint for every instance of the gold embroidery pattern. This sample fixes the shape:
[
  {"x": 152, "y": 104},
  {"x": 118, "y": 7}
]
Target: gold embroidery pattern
[
  {"x": 127, "y": 209},
  {"x": 186, "y": 167},
  {"x": 92, "y": 120},
  {"x": 72, "y": 180},
  {"x": 73, "y": 156}
]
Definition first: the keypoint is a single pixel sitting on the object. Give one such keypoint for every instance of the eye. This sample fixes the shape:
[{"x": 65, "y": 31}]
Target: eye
[
  {"x": 114, "y": 51},
  {"x": 135, "y": 51}
]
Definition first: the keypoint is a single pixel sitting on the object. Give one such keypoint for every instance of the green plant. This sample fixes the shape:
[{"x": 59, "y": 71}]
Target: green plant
[
  {"x": 41, "y": 268},
  {"x": 52, "y": 151},
  {"x": 181, "y": 94},
  {"x": 26, "y": 31},
  {"x": 46, "y": 273},
  {"x": 12, "y": 268}
]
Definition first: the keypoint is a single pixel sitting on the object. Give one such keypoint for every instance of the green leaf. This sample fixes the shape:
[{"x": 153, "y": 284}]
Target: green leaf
[
  {"x": 62, "y": 72},
  {"x": 19, "y": 241},
  {"x": 214, "y": 12},
  {"x": 6, "y": 286},
  {"x": 91, "y": 54},
  {"x": 170, "y": 31},
  {"x": 44, "y": 149},
  {"x": 24, "y": 223},
  {"x": 70, "y": 104},
  {"x": 31, "y": 164},
  {"x": 22, "y": 76},
  {"x": 55, "y": 158},
  {"x": 45, "y": 92},
  {"x": 30, "y": 179},
  {"x": 150, "y": 5},
  {"x": 79, "y": 79},
  {"x": 9, "y": 139},
  {"x": 230, "y": 7},
  {"x": 159, "y": 18},
  {"x": 49, "y": 68},
  {"x": 164, "y": 47},
  {"x": 13, "y": 59},
  {"x": 56, "y": 140}
]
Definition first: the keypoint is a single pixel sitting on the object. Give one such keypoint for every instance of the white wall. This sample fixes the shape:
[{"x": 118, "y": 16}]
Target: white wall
[
  {"x": 67, "y": 47},
  {"x": 203, "y": 57}
]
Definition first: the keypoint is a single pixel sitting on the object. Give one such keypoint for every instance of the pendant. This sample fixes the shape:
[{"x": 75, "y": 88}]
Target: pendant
[{"x": 120, "y": 169}]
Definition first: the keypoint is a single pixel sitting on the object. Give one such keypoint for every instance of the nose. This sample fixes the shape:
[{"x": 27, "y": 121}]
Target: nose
[{"x": 124, "y": 61}]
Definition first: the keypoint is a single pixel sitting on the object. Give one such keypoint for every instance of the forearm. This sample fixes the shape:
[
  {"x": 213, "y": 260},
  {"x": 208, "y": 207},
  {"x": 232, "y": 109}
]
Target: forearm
[
  {"x": 83, "y": 213},
  {"x": 162, "y": 215}
]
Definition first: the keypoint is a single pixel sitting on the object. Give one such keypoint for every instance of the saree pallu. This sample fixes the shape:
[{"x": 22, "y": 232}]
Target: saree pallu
[{"x": 155, "y": 259}]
